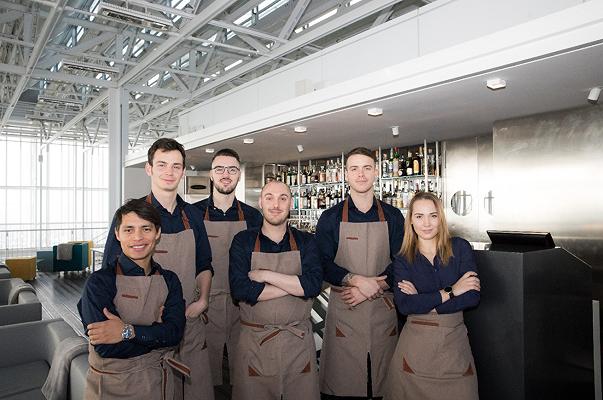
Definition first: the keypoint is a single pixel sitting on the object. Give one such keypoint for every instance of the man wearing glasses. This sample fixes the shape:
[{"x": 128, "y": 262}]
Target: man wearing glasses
[{"x": 224, "y": 216}]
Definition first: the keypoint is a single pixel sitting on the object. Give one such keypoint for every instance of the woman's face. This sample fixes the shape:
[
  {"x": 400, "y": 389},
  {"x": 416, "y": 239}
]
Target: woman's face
[{"x": 425, "y": 219}]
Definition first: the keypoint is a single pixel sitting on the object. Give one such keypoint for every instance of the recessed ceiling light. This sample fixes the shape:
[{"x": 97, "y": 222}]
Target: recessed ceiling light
[
  {"x": 395, "y": 130},
  {"x": 208, "y": 150},
  {"x": 300, "y": 148},
  {"x": 496, "y": 83},
  {"x": 248, "y": 140},
  {"x": 300, "y": 129},
  {"x": 375, "y": 111}
]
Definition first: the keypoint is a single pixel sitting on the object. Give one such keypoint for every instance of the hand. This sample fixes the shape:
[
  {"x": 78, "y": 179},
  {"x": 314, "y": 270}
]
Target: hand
[
  {"x": 407, "y": 287},
  {"x": 368, "y": 286},
  {"x": 352, "y": 296},
  {"x": 160, "y": 314},
  {"x": 259, "y": 275},
  {"x": 469, "y": 281},
  {"x": 196, "y": 308},
  {"x": 106, "y": 332}
]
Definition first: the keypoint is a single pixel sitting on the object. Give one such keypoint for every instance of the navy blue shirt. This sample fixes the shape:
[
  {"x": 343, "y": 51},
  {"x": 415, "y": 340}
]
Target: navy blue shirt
[
  {"x": 327, "y": 236},
  {"x": 252, "y": 216},
  {"x": 170, "y": 223},
  {"x": 244, "y": 289},
  {"x": 428, "y": 279},
  {"x": 99, "y": 292}
]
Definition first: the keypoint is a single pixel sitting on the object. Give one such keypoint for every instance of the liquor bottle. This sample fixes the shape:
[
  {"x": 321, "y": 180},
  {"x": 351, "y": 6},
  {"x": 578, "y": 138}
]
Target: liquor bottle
[
  {"x": 422, "y": 186},
  {"x": 322, "y": 174},
  {"x": 402, "y": 165},
  {"x": 399, "y": 200},
  {"x": 416, "y": 165},
  {"x": 421, "y": 160},
  {"x": 430, "y": 162},
  {"x": 395, "y": 162},
  {"x": 390, "y": 163},
  {"x": 313, "y": 198},
  {"x": 384, "y": 166},
  {"x": 409, "y": 170},
  {"x": 405, "y": 195}
]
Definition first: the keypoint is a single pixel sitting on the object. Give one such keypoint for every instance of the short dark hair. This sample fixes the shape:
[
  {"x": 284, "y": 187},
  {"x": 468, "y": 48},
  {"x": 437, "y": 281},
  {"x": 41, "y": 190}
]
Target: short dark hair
[
  {"x": 165, "y": 144},
  {"x": 363, "y": 151},
  {"x": 141, "y": 208},
  {"x": 227, "y": 153}
]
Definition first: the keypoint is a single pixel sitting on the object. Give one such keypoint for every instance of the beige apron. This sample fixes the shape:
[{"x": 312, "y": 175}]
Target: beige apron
[
  {"x": 177, "y": 252},
  {"x": 223, "y": 314},
  {"x": 433, "y": 360},
  {"x": 276, "y": 356},
  {"x": 138, "y": 301},
  {"x": 351, "y": 334}
]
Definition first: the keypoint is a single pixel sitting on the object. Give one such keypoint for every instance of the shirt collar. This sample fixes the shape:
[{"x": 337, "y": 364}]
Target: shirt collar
[
  {"x": 179, "y": 204},
  {"x": 210, "y": 203},
  {"x": 283, "y": 241},
  {"x": 129, "y": 267},
  {"x": 351, "y": 204}
]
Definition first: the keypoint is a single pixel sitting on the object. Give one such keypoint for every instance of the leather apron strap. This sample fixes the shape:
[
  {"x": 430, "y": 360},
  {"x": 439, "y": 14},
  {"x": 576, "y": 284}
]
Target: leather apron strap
[{"x": 346, "y": 211}]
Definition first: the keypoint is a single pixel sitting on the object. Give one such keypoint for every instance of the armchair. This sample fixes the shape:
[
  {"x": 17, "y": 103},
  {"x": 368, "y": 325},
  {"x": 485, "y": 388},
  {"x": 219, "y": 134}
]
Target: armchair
[
  {"x": 27, "y": 308},
  {"x": 27, "y": 351},
  {"x": 78, "y": 262}
]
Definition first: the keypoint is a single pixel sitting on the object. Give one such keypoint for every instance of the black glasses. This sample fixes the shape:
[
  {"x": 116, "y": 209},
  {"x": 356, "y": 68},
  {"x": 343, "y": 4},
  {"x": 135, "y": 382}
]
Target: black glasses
[{"x": 231, "y": 170}]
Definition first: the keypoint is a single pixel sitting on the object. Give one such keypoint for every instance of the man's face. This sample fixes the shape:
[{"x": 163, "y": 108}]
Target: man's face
[
  {"x": 167, "y": 170},
  {"x": 224, "y": 182},
  {"x": 360, "y": 173},
  {"x": 275, "y": 202},
  {"x": 137, "y": 236}
]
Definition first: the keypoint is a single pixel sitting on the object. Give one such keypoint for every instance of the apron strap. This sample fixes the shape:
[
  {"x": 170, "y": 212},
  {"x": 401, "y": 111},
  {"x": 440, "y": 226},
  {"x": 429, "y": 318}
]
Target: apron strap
[
  {"x": 292, "y": 242},
  {"x": 276, "y": 329},
  {"x": 346, "y": 208},
  {"x": 185, "y": 220},
  {"x": 239, "y": 212}
]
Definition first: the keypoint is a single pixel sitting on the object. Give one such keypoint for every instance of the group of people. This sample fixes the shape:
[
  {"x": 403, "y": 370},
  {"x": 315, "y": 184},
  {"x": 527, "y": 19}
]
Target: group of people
[{"x": 184, "y": 284}]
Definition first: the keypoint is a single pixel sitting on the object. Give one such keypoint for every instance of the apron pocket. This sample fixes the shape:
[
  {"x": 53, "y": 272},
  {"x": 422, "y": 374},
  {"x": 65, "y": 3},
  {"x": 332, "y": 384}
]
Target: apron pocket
[{"x": 261, "y": 360}]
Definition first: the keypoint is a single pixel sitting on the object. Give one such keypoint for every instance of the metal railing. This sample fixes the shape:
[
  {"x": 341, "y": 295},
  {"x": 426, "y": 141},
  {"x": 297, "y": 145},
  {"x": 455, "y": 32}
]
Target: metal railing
[{"x": 25, "y": 242}]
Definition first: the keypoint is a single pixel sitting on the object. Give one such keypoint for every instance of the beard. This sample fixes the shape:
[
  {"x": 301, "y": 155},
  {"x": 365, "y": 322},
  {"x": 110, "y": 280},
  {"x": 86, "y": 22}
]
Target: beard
[
  {"x": 225, "y": 190},
  {"x": 276, "y": 221}
]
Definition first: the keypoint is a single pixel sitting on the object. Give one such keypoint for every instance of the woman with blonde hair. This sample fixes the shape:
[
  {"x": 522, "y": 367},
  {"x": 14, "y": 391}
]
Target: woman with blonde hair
[{"x": 437, "y": 280}]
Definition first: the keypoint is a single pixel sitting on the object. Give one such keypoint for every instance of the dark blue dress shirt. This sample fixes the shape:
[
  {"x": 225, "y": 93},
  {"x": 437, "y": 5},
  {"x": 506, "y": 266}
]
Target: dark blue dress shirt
[
  {"x": 99, "y": 292},
  {"x": 244, "y": 289},
  {"x": 170, "y": 223},
  {"x": 252, "y": 216},
  {"x": 428, "y": 279},
  {"x": 327, "y": 236}
]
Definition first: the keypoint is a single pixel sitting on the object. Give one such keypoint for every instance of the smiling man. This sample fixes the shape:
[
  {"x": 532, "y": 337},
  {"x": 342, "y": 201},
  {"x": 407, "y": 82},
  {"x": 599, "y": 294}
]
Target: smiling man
[
  {"x": 133, "y": 313},
  {"x": 224, "y": 216},
  {"x": 275, "y": 273},
  {"x": 358, "y": 239},
  {"x": 184, "y": 249}
]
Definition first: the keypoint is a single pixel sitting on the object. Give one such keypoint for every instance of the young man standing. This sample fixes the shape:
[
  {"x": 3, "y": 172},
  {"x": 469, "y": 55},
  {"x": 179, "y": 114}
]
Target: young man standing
[
  {"x": 275, "y": 273},
  {"x": 184, "y": 249},
  {"x": 133, "y": 313},
  {"x": 358, "y": 238},
  {"x": 224, "y": 216}
]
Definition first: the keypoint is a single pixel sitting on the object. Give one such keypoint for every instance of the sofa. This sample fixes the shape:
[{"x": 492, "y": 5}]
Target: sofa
[
  {"x": 79, "y": 258},
  {"x": 27, "y": 308},
  {"x": 27, "y": 352},
  {"x": 4, "y": 272}
]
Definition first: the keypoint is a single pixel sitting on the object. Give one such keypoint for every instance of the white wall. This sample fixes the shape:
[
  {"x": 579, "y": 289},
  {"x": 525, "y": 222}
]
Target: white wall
[
  {"x": 136, "y": 183},
  {"x": 435, "y": 44}
]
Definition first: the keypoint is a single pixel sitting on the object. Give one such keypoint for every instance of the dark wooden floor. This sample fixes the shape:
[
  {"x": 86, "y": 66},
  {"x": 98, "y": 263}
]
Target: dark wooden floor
[{"x": 59, "y": 294}]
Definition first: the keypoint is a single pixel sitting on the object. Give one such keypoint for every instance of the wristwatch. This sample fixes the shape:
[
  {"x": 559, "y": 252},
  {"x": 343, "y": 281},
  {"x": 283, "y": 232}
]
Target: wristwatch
[
  {"x": 127, "y": 332},
  {"x": 448, "y": 289}
]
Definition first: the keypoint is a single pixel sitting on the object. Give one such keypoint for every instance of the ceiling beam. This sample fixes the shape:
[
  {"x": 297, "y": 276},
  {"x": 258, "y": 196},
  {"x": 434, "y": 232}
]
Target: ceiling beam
[
  {"x": 355, "y": 14},
  {"x": 207, "y": 14},
  {"x": 49, "y": 24},
  {"x": 247, "y": 31}
]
